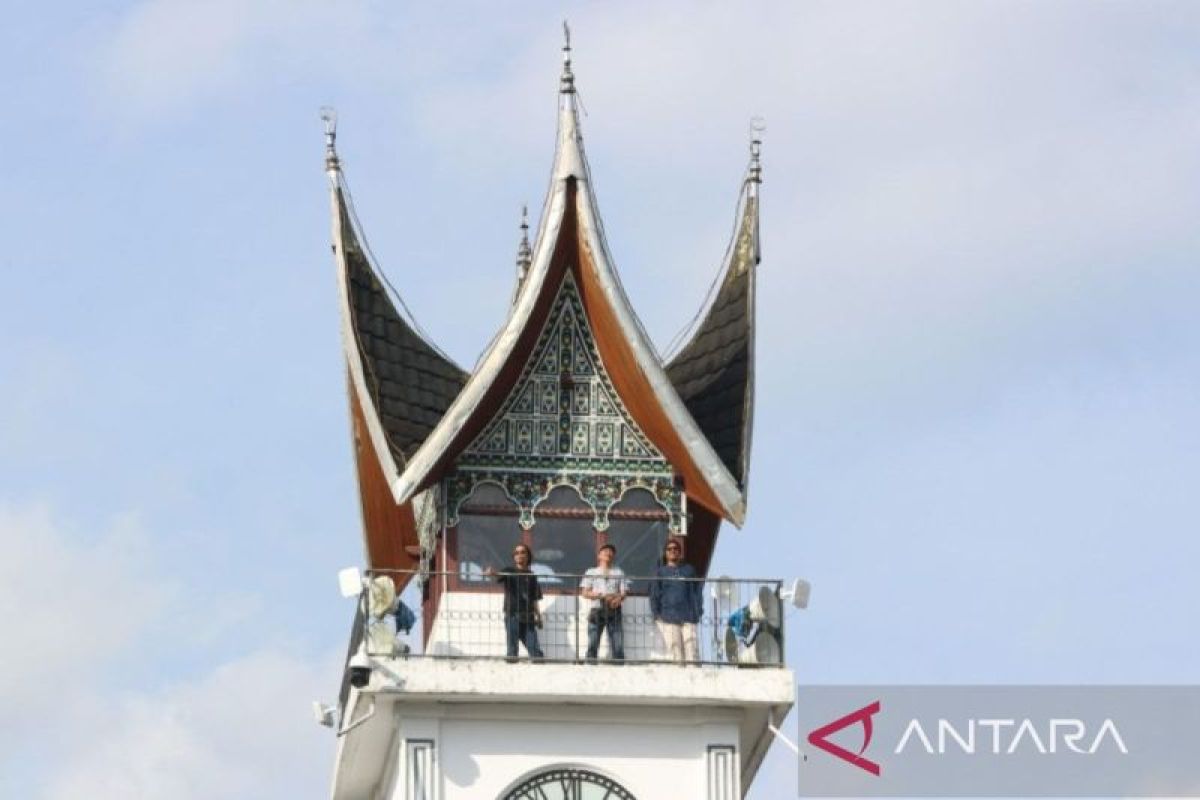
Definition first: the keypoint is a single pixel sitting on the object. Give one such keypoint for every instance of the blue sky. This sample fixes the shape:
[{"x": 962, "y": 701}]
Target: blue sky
[{"x": 978, "y": 425}]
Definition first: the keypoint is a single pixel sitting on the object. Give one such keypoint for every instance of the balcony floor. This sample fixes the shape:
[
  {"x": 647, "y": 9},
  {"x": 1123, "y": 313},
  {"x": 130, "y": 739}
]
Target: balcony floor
[{"x": 493, "y": 680}]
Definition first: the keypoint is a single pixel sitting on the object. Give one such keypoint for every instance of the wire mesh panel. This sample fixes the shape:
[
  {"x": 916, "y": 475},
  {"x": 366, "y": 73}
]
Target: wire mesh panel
[{"x": 718, "y": 621}]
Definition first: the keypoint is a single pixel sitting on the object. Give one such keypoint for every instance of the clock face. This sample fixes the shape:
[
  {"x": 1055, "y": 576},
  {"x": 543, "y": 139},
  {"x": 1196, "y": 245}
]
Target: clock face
[{"x": 569, "y": 784}]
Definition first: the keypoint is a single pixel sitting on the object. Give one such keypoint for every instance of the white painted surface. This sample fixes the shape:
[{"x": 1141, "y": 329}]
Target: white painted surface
[
  {"x": 493, "y": 722},
  {"x": 652, "y": 756},
  {"x": 662, "y": 684}
]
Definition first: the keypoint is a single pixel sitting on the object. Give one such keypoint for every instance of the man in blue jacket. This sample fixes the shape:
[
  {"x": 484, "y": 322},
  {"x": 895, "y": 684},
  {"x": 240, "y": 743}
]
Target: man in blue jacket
[{"x": 676, "y": 601}]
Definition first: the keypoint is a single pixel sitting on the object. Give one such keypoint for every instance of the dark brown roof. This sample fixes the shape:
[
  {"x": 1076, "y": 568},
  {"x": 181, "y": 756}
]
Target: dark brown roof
[
  {"x": 411, "y": 384},
  {"x": 714, "y": 372}
]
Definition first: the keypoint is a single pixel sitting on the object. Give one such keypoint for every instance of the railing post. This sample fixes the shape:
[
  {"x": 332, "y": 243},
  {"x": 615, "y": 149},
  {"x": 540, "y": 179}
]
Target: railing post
[{"x": 782, "y": 624}]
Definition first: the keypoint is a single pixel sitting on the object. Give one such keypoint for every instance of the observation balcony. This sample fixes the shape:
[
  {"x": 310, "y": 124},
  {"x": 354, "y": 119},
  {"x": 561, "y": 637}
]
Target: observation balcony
[
  {"x": 447, "y": 631},
  {"x": 454, "y": 663}
]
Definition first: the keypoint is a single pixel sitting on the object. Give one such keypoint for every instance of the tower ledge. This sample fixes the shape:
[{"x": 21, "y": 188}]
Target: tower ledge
[{"x": 538, "y": 702}]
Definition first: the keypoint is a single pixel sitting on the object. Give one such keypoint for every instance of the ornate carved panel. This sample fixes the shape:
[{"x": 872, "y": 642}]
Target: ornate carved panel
[{"x": 564, "y": 424}]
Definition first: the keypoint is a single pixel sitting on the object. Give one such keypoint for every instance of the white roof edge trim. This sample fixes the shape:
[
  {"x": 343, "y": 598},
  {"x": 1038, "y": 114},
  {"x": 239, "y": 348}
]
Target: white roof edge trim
[
  {"x": 350, "y": 344},
  {"x": 752, "y": 301},
  {"x": 568, "y": 162},
  {"x": 722, "y": 483},
  {"x": 749, "y": 201},
  {"x": 745, "y": 195}
]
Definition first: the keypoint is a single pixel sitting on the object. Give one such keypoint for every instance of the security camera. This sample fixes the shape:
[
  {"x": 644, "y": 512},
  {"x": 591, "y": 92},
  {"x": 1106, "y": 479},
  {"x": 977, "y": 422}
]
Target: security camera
[{"x": 360, "y": 670}]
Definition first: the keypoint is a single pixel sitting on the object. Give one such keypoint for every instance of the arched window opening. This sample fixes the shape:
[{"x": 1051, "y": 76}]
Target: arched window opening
[
  {"x": 564, "y": 536},
  {"x": 566, "y": 532},
  {"x": 487, "y": 532},
  {"x": 638, "y": 528}
]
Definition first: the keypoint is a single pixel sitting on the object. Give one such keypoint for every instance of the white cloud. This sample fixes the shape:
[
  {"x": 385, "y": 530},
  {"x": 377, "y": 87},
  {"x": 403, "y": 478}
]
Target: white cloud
[
  {"x": 73, "y": 607},
  {"x": 65, "y": 603},
  {"x": 242, "y": 730}
]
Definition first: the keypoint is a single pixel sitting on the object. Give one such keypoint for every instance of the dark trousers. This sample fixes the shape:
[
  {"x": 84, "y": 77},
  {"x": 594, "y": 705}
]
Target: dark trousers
[
  {"x": 524, "y": 632},
  {"x": 599, "y": 620}
]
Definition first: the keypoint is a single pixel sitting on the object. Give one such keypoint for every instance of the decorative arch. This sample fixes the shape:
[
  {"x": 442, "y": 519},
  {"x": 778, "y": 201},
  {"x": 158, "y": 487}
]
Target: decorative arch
[{"x": 566, "y": 783}]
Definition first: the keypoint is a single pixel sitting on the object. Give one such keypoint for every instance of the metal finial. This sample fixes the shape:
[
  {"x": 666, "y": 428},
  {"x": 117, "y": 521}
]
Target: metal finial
[
  {"x": 757, "y": 126},
  {"x": 329, "y": 117},
  {"x": 568, "y": 79},
  {"x": 524, "y": 254}
]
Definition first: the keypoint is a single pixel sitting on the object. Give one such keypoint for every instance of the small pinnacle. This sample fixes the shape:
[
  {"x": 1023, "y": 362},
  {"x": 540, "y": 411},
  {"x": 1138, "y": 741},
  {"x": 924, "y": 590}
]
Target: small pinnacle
[
  {"x": 757, "y": 126},
  {"x": 524, "y": 254},
  {"x": 329, "y": 116}
]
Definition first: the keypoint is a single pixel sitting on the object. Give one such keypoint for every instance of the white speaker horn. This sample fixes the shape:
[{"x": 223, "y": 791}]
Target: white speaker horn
[
  {"x": 765, "y": 650},
  {"x": 765, "y": 608},
  {"x": 381, "y": 641},
  {"x": 731, "y": 646},
  {"x": 381, "y": 596}
]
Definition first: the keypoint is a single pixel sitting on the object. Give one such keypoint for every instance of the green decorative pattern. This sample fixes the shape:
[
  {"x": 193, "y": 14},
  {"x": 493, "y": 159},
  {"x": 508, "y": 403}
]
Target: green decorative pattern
[
  {"x": 601, "y": 492},
  {"x": 564, "y": 425}
]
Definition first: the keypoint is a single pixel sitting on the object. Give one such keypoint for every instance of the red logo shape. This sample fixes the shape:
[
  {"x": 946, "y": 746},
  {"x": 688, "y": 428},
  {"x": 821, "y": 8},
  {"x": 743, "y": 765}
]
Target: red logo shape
[{"x": 820, "y": 737}]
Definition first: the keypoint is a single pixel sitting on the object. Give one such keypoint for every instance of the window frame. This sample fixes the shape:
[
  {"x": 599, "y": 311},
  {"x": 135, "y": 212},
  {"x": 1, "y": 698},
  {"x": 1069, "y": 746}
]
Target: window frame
[{"x": 599, "y": 538}]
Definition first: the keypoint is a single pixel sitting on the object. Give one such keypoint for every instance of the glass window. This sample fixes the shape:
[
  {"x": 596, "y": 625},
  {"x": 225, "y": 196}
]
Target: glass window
[
  {"x": 563, "y": 544},
  {"x": 488, "y": 495},
  {"x": 562, "y": 497},
  {"x": 486, "y": 539},
  {"x": 639, "y": 542},
  {"x": 639, "y": 500}
]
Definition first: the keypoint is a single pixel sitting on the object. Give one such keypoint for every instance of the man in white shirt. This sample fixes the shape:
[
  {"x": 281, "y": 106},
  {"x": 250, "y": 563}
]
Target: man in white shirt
[{"x": 605, "y": 586}]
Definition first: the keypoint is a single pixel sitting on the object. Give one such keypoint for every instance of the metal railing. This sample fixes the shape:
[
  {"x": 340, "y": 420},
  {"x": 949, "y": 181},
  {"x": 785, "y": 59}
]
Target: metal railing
[{"x": 698, "y": 621}]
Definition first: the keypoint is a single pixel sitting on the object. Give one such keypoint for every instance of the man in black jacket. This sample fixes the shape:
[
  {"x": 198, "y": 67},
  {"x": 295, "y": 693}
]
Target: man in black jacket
[{"x": 521, "y": 595}]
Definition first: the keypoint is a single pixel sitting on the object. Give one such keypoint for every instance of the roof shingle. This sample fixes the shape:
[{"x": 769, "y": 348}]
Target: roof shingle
[
  {"x": 713, "y": 372},
  {"x": 411, "y": 384}
]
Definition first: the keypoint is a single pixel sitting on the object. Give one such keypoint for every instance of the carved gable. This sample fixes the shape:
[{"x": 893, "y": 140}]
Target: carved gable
[{"x": 564, "y": 424}]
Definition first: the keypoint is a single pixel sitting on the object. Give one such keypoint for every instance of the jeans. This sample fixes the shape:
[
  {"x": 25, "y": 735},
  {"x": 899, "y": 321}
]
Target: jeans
[
  {"x": 525, "y": 632},
  {"x": 598, "y": 620}
]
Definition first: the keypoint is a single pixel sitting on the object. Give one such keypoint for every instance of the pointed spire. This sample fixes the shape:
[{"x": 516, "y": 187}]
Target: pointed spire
[
  {"x": 524, "y": 253},
  {"x": 329, "y": 117},
  {"x": 569, "y": 160}
]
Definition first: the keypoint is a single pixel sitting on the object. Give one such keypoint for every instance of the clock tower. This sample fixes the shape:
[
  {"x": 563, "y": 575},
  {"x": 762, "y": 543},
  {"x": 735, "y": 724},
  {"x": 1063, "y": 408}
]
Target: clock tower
[{"x": 483, "y": 662}]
